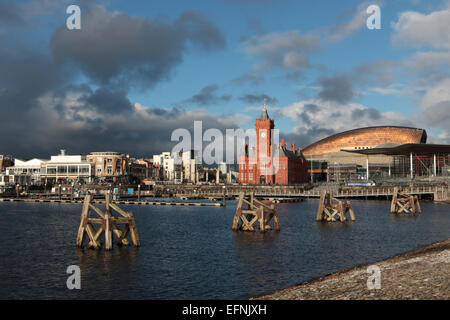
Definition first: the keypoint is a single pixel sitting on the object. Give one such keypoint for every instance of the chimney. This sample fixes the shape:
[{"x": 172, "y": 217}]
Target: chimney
[
  {"x": 283, "y": 143},
  {"x": 293, "y": 147},
  {"x": 63, "y": 152}
]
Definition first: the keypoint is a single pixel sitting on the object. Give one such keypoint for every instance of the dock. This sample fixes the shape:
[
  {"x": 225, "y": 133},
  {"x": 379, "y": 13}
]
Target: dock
[{"x": 143, "y": 203}]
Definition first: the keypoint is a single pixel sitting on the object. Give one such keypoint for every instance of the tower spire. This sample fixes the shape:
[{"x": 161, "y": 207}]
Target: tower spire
[{"x": 264, "y": 114}]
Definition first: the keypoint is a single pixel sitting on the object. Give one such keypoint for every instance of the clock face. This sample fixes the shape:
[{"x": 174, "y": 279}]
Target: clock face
[{"x": 263, "y": 134}]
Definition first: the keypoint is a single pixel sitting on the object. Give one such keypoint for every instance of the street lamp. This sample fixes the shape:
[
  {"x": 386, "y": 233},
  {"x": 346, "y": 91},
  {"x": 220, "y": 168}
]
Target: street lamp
[{"x": 224, "y": 203}]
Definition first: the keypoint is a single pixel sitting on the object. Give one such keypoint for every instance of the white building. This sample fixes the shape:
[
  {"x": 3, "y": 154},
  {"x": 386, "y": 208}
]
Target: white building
[
  {"x": 169, "y": 164},
  {"x": 191, "y": 166},
  {"x": 25, "y": 171},
  {"x": 179, "y": 167},
  {"x": 65, "y": 168}
]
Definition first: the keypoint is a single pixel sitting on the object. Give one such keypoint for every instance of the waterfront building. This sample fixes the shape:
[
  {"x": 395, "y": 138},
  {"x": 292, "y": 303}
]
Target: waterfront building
[
  {"x": 411, "y": 160},
  {"x": 25, "y": 172},
  {"x": 329, "y": 159},
  {"x": 170, "y": 166},
  {"x": 64, "y": 168},
  {"x": 5, "y": 161},
  {"x": 109, "y": 166},
  {"x": 289, "y": 167},
  {"x": 138, "y": 171},
  {"x": 192, "y": 166}
]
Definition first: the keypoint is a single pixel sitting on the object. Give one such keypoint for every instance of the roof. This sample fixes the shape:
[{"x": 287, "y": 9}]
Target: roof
[
  {"x": 406, "y": 149},
  {"x": 289, "y": 154},
  {"x": 343, "y": 133}
]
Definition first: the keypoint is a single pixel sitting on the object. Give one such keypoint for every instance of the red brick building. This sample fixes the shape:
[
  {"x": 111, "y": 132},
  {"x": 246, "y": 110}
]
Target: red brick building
[{"x": 258, "y": 167}]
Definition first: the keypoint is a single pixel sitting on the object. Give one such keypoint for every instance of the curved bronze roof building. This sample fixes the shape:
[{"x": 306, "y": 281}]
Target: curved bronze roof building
[{"x": 365, "y": 138}]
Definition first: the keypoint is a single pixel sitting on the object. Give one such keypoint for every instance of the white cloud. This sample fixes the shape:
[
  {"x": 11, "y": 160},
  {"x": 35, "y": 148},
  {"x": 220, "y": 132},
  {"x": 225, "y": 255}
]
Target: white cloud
[
  {"x": 437, "y": 94},
  {"x": 281, "y": 49},
  {"x": 415, "y": 29}
]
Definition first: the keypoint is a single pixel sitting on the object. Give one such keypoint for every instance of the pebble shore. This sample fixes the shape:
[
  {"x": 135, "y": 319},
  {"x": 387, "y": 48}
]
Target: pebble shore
[{"x": 420, "y": 274}]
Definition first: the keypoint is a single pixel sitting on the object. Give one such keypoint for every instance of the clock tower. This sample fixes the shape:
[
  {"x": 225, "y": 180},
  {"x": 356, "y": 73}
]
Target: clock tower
[{"x": 264, "y": 126}]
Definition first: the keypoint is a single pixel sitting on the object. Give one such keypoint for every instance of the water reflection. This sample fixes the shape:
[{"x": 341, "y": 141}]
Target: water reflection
[{"x": 244, "y": 237}]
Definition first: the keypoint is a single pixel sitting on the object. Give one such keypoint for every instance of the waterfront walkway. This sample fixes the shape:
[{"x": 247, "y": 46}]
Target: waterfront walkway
[{"x": 420, "y": 274}]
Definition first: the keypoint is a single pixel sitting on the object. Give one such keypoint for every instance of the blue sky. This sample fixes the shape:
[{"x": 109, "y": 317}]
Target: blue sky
[{"x": 322, "y": 70}]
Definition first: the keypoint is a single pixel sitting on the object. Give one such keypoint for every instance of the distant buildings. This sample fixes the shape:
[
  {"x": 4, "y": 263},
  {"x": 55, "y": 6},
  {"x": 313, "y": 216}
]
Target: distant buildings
[
  {"x": 180, "y": 167},
  {"x": 96, "y": 167},
  {"x": 255, "y": 167}
]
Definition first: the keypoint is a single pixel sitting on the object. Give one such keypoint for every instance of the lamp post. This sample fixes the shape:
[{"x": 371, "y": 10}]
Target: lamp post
[
  {"x": 17, "y": 190},
  {"x": 59, "y": 189},
  {"x": 139, "y": 192},
  {"x": 224, "y": 202}
]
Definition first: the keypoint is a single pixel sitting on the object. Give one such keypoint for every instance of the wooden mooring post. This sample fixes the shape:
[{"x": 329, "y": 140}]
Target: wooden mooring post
[
  {"x": 329, "y": 207},
  {"x": 250, "y": 210},
  {"x": 404, "y": 203},
  {"x": 109, "y": 225}
]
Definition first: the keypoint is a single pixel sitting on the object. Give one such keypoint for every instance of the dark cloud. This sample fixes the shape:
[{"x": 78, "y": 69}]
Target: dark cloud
[
  {"x": 338, "y": 89},
  {"x": 437, "y": 115},
  {"x": 77, "y": 118},
  {"x": 208, "y": 96},
  {"x": 258, "y": 98},
  {"x": 118, "y": 48},
  {"x": 382, "y": 71},
  {"x": 105, "y": 100},
  {"x": 310, "y": 107},
  {"x": 43, "y": 108},
  {"x": 370, "y": 113},
  {"x": 308, "y": 110},
  {"x": 9, "y": 15}
]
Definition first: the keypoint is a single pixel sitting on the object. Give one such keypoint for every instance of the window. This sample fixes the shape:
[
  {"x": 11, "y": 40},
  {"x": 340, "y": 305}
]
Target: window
[
  {"x": 99, "y": 169},
  {"x": 99, "y": 159},
  {"x": 51, "y": 170},
  {"x": 109, "y": 170},
  {"x": 73, "y": 169},
  {"x": 62, "y": 169},
  {"x": 109, "y": 160},
  {"x": 84, "y": 169}
]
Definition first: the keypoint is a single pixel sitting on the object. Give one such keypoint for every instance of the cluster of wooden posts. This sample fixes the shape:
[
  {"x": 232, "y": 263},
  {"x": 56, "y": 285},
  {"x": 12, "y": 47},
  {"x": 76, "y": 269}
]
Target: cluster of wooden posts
[
  {"x": 250, "y": 210},
  {"x": 108, "y": 225},
  {"x": 404, "y": 203},
  {"x": 330, "y": 207}
]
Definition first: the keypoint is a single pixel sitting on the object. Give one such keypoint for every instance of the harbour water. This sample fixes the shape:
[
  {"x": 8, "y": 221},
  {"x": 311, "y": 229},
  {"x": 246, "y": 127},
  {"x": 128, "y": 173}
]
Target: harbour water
[{"x": 192, "y": 253}]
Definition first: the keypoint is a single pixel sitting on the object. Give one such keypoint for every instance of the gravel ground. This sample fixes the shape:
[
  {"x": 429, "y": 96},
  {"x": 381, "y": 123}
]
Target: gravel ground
[{"x": 420, "y": 274}]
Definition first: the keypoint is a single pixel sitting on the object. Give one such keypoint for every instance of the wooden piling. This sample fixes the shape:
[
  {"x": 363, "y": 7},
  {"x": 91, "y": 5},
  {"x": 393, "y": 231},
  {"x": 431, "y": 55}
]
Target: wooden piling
[
  {"x": 250, "y": 210},
  {"x": 109, "y": 225},
  {"x": 330, "y": 208},
  {"x": 403, "y": 202}
]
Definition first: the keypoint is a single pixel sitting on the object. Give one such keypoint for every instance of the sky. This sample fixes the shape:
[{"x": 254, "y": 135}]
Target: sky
[{"x": 138, "y": 70}]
